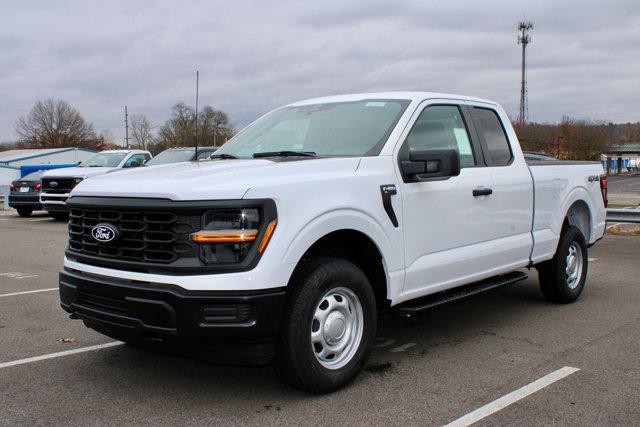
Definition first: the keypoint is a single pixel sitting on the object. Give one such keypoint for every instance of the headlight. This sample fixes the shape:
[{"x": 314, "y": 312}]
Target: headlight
[
  {"x": 76, "y": 181},
  {"x": 228, "y": 235}
]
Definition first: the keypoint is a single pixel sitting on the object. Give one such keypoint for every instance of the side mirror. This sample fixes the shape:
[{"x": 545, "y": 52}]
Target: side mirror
[{"x": 426, "y": 164}]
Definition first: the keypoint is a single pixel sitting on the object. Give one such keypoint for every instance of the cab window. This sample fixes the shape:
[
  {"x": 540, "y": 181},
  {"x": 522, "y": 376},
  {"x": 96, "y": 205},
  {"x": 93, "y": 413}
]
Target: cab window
[
  {"x": 135, "y": 160},
  {"x": 442, "y": 126},
  {"x": 496, "y": 144}
]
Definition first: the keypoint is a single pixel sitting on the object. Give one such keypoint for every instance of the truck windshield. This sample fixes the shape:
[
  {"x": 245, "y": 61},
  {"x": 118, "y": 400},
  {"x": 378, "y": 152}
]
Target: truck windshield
[
  {"x": 172, "y": 156},
  {"x": 357, "y": 128},
  {"x": 110, "y": 160}
]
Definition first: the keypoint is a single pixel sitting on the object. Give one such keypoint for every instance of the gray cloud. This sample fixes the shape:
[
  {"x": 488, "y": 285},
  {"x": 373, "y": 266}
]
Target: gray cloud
[{"x": 254, "y": 56}]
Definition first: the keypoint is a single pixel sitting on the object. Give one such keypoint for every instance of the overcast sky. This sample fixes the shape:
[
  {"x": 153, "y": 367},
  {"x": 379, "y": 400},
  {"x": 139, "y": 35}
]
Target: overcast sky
[{"x": 256, "y": 55}]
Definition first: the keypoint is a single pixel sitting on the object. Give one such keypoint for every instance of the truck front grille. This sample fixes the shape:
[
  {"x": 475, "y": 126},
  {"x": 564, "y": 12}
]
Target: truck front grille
[
  {"x": 154, "y": 237},
  {"x": 59, "y": 185}
]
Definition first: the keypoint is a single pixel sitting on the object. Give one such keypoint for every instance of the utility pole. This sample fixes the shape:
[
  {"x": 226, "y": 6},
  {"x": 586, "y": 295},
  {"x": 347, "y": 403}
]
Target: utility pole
[
  {"x": 196, "y": 132},
  {"x": 524, "y": 39},
  {"x": 126, "y": 127}
]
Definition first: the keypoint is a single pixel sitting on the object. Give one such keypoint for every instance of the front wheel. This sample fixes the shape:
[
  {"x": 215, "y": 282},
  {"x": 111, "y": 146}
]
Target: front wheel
[
  {"x": 563, "y": 277},
  {"x": 328, "y": 327},
  {"x": 24, "y": 212}
]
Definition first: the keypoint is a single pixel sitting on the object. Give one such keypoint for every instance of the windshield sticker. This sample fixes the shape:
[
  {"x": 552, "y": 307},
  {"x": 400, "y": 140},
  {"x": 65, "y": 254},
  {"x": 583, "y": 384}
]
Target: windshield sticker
[{"x": 375, "y": 104}]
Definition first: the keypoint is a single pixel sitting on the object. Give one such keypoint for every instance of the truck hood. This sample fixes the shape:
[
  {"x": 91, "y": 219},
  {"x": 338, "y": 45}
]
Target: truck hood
[
  {"x": 76, "y": 172},
  {"x": 211, "y": 180}
]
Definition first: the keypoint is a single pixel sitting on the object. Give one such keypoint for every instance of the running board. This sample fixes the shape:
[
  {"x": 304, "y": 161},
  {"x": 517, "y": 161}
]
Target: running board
[{"x": 417, "y": 306}]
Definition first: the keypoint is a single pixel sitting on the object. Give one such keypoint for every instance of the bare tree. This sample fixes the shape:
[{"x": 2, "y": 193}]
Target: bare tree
[
  {"x": 142, "y": 131},
  {"x": 110, "y": 140},
  {"x": 55, "y": 123},
  {"x": 214, "y": 128},
  {"x": 5, "y": 146}
]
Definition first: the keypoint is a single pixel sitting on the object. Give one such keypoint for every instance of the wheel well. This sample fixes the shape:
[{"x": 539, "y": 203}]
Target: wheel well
[
  {"x": 579, "y": 216},
  {"x": 359, "y": 249}
]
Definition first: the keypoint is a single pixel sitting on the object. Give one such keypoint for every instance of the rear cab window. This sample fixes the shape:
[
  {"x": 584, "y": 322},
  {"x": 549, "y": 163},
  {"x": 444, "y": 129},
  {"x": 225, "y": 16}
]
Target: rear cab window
[{"x": 492, "y": 136}]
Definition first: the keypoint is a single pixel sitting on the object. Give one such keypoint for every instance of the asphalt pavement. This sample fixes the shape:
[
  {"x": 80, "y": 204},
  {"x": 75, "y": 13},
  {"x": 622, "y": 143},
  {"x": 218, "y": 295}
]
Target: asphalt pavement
[
  {"x": 431, "y": 371},
  {"x": 624, "y": 189}
]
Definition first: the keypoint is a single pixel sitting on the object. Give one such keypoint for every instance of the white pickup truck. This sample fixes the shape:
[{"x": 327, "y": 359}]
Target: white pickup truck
[
  {"x": 287, "y": 246},
  {"x": 58, "y": 183}
]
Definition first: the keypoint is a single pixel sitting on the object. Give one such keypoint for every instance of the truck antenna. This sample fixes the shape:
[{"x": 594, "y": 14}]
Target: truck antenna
[{"x": 196, "y": 132}]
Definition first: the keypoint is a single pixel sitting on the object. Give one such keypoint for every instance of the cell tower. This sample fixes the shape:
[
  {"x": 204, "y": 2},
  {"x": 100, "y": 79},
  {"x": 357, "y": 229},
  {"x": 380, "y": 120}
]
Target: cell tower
[{"x": 524, "y": 39}]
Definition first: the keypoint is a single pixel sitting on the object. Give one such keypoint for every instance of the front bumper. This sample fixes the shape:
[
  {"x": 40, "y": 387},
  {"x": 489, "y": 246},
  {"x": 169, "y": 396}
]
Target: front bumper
[
  {"x": 237, "y": 327},
  {"x": 30, "y": 201}
]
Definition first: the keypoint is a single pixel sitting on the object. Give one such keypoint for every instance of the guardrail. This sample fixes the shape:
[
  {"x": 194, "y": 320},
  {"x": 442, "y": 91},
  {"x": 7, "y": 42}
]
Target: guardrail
[{"x": 623, "y": 215}]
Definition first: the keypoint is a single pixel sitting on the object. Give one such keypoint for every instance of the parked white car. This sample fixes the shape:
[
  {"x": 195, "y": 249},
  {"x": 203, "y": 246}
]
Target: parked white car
[
  {"x": 315, "y": 219},
  {"x": 58, "y": 183}
]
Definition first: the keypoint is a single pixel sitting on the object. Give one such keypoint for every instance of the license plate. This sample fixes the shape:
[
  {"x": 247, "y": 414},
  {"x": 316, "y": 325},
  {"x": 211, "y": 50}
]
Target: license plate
[{"x": 24, "y": 189}]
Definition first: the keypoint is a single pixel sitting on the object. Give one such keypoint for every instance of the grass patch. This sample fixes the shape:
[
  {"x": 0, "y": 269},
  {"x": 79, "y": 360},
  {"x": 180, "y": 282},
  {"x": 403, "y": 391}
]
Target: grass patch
[{"x": 616, "y": 230}]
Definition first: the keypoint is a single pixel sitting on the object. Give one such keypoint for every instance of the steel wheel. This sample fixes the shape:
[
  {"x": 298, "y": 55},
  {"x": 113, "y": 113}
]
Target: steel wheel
[
  {"x": 336, "y": 329},
  {"x": 574, "y": 260}
]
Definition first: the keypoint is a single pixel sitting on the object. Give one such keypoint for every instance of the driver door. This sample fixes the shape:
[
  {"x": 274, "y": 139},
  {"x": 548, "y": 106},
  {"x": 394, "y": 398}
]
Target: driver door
[{"x": 448, "y": 228}]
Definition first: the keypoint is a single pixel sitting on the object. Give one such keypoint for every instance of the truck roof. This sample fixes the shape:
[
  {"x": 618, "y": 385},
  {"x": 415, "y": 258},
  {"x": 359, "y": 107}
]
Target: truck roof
[
  {"x": 133, "y": 150},
  {"x": 408, "y": 95}
]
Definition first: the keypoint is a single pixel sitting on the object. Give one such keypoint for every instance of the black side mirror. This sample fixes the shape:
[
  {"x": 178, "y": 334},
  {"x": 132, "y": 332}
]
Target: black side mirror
[{"x": 427, "y": 164}]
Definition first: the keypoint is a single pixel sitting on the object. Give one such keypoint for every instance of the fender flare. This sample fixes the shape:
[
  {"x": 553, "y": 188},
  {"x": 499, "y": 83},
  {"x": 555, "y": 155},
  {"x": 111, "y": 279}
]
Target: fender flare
[
  {"x": 343, "y": 219},
  {"x": 578, "y": 194}
]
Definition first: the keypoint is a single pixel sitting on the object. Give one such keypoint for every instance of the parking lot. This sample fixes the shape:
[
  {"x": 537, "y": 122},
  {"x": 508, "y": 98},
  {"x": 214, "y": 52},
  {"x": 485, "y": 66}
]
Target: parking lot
[
  {"x": 426, "y": 372},
  {"x": 624, "y": 189}
]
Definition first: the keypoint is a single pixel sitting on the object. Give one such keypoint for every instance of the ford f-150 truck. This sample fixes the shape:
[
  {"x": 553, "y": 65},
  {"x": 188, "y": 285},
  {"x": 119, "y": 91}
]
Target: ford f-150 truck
[
  {"x": 58, "y": 183},
  {"x": 300, "y": 231}
]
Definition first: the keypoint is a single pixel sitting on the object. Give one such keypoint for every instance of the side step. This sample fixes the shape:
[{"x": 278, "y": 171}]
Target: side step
[{"x": 417, "y": 306}]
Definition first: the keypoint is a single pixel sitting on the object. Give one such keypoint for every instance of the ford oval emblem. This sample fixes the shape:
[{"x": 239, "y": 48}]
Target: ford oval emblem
[
  {"x": 53, "y": 184},
  {"x": 105, "y": 233}
]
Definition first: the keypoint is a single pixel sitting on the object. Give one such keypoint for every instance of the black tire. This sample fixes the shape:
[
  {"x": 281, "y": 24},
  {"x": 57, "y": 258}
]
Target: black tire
[
  {"x": 554, "y": 280},
  {"x": 59, "y": 216},
  {"x": 296, "y": 363},
  {"x": 24, "y": 211}
]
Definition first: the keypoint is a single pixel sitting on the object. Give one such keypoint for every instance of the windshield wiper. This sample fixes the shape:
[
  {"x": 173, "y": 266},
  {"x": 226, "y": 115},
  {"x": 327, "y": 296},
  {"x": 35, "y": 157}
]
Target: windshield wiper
[
  {"x": 285, "y": 154},
  {"x": 223, "y": 156}
]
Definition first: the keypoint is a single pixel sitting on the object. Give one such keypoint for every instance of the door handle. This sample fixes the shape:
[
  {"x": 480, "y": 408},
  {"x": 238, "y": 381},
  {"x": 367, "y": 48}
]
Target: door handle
[{"x": 482, "y": 192}]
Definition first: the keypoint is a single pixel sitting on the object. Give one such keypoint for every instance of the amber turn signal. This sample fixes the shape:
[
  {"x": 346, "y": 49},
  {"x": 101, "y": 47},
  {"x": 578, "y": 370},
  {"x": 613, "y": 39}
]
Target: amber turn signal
[
  {"x": 267, "y": 235},
  {"x": 225, "y": 236}
]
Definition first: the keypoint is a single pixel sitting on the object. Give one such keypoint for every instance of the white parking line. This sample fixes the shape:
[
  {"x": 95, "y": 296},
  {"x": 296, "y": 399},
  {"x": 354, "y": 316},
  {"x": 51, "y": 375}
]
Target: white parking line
[
  {"x": 385, "y": 342},
  {"x": 59, "y": 354},
  {"x": 41, "y": 219},
  {"x": 402, "y": 347},
  {"x": 28, "y": 292},
  {"x": 17, "y": 275},
  {"x": 513, "y": 397}
]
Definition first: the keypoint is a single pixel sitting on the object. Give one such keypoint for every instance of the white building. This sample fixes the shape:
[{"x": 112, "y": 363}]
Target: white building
[{"x": 12, "y": 160}]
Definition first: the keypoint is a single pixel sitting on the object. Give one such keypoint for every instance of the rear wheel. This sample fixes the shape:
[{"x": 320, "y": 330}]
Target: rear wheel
[
  {"x": 563, "y": 277},
  {"x": 328, "y": 327},
  {"x": 59, "y": 216},
  {"x": 24, "y": 211}
]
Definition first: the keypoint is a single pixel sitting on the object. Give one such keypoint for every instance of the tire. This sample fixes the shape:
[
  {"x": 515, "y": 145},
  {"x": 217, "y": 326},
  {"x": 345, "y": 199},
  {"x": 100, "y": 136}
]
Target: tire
[
  {"x": 24, "y": 211},
  {"x": 558, "y": 282},
  {"x": 322, "y": 289},
  {"x": 59, "y": 216}
]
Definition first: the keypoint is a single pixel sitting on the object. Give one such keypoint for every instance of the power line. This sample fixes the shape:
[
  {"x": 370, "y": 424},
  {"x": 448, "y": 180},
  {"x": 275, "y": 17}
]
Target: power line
[{"x": 524, "y": 39}]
